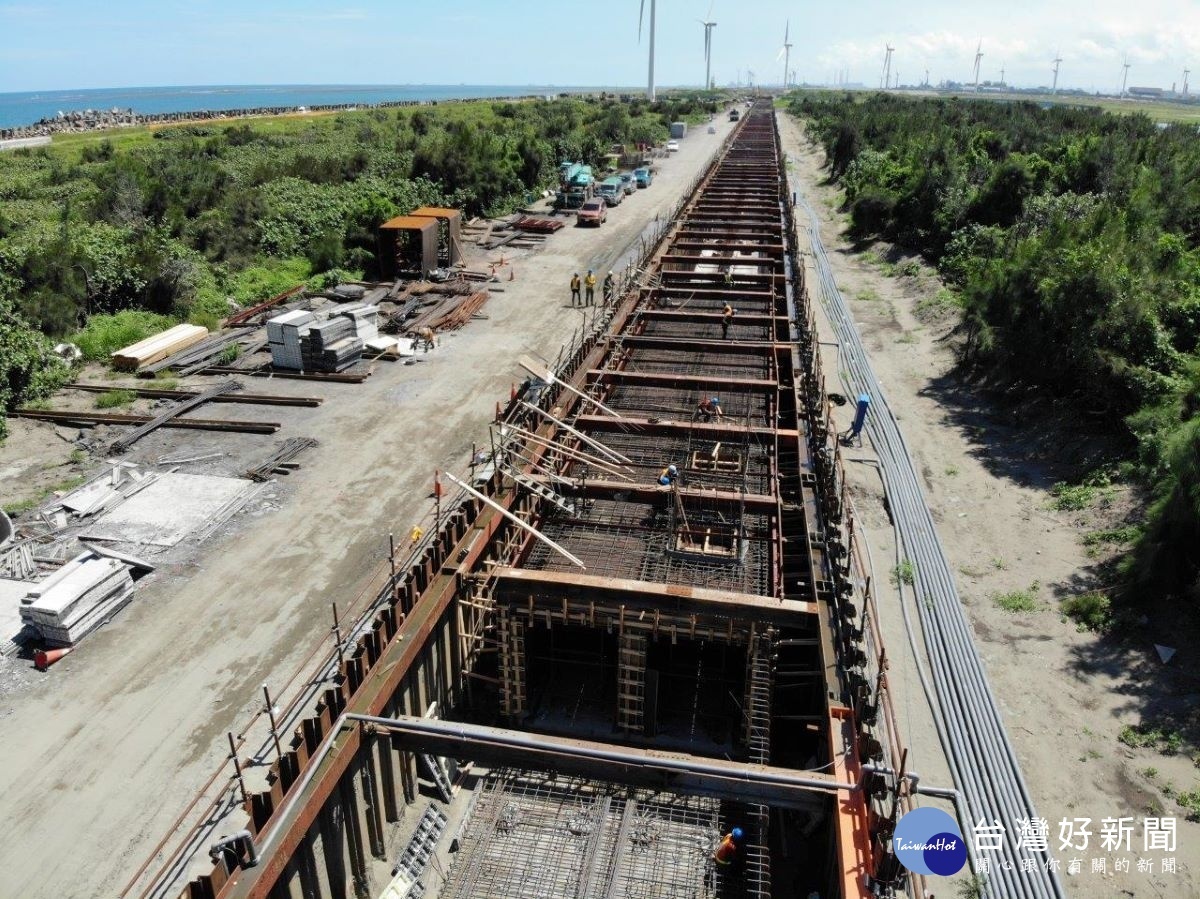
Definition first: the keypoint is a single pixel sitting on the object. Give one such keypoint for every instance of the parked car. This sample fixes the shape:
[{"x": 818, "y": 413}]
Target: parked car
[
  {"x": 643, "y": 177},
  {"x": 672, "y": 146},
  {"x": 592, "y": 212},
  {"x": 612, "y": 190},
  {"x": 628, "y": 182}
]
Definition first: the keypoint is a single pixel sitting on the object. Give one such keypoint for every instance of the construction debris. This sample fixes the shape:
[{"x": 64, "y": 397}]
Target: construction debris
[
  {"x": 538, "y": 225},
  {"x": 287, "y": 451},
  {"x": 77, "y": 599},
  {"x": 161, "y": 345}
]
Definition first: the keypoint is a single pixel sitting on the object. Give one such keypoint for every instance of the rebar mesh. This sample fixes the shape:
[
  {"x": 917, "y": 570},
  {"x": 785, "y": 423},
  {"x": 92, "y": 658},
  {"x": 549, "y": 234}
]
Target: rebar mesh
[
  {"x": 539, "y": 836},
  {"x": 738, "y": 406},
  {"x": 698, "y": 362}
]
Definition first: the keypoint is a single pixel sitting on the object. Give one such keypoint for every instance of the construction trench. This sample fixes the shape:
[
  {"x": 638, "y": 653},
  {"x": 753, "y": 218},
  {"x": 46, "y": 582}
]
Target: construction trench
[{"x": 587, "y": 678}]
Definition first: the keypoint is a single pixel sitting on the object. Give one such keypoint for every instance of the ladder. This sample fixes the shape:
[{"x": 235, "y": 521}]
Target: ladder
[
  {"x": 631, "y": 683},
  {"x": 434, "y": 766},
  {"x": 536, "y": 488},
  {"x": 759, "y": 686},
  {"x": 419, "y": 852},
  {"x": 512, "y": 662}
]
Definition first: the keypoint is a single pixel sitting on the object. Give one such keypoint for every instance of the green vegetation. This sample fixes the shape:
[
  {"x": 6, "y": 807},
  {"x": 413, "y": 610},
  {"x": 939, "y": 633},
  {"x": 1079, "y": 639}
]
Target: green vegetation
[
  {"x": 1113, "y": 536},
  {"x": 1072, "y": 497},
  {"x": 1018, "y": 600},
  {"x": 1091, "y": 611},
  {"x": 110, "y": 236},
  {"x": 1071, "y": 239},
  {"x": 105, "y": 334},
  {"x": 1161, "y": 737},
  {"x": 1190, "y": 803},
  {"x": 973, "y": 887},
  {"x": 904, "y": 573},
  {"x": 112, "y": 399}
]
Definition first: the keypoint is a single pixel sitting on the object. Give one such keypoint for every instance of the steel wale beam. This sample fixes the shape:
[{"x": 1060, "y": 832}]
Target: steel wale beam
[{"x": 733, "y": 781}]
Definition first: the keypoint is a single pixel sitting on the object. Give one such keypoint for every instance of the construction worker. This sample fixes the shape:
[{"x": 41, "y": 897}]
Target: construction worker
[
  {"x": 590, "y": 283},
  {"x": 728, "y": 278},
  {"x": 727, "y": 319},
  {"x": 729, "y": 851},
  {"x": 669, "y": 476},
  {"x": 575, "y": 285},
  {"x": 610, "y": 287},
  {"x": 710, "y": 408}
]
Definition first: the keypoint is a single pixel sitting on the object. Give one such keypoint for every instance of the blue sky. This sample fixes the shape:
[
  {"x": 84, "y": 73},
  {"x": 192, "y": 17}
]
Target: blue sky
[{"x": 75, "y": 44}]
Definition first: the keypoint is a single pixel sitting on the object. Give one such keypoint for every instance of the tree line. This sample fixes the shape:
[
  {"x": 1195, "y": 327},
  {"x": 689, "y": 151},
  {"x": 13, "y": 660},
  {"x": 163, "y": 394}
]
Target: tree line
[
  {"x": 1070, "y": 237},
  {"x": 196, "y": 217}
]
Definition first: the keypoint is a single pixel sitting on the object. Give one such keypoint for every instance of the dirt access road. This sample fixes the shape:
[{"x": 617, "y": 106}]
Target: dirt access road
[
  {"x": 1064, "y": 695},
  {"x": 101, "y": 753}
]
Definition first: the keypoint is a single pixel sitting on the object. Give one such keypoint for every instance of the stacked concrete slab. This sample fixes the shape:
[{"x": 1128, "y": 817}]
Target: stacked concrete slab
[
  {"x": 331, "y": 345},
  {"x": 365, "y": 320},
  {"x": 77, "y": 599}
]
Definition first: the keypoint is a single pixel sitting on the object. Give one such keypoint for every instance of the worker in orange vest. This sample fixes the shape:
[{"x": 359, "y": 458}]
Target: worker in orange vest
[{"x": 729, "y": 850}]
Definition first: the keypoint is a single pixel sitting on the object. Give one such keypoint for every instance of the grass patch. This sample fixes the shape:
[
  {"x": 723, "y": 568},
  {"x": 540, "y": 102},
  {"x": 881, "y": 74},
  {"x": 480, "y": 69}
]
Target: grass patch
[
  {"x": 230, "y": 353},
  {"x": 77, "y": 457},
  {"x": 944, "y": 301},
  {"x": 1165, "y": 739},
  {"x": 871, "y": 257},
  {"x": 1018, "y": 601},
  {"x": 867, "y": 295},
  {"x": 1149, "y": 773},
  {"x": 998, "y": 563},
  {"x": 904, "y": 573},
  {"x": 112, "y": 399},
  {"x": 1190, "y": 803},
  {"x": 20, "y": 507},
  {"x": 973, "y": 887},
  {"x": 907, "y": 337},
  {"x": 1072, "y": 497},
  {"x": 164, "y": 380},
  {"x": 105, "y": 334},
  {"x": 909, "y": 269},
  {"x": 1091, "y": 611},
  {"x": 951, "y": 470},
  {"x": 1113, "y": 536}
]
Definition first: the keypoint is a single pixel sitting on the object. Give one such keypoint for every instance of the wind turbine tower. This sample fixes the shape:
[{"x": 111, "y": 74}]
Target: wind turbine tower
[
  {"x": 1057, "y": 63},
  {"x": 978, "y": 60},
  {"x": 1186, "y": 72},
  {"x": 1002, "y": 76},
  {"x": 785, "y": 52},
  {"x": 887, "y": 67},
  {"x": 641, "y": 12},
  {"x": 1124, "y": 75},
  {"x": 709, "y": 25}
]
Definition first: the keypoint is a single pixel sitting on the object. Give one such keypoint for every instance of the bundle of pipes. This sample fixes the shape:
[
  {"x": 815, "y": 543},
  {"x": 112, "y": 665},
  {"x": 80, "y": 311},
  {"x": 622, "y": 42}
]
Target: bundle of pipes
[
  {"x": 77, "y": 598},
  {"x": 449, "y": 313}
]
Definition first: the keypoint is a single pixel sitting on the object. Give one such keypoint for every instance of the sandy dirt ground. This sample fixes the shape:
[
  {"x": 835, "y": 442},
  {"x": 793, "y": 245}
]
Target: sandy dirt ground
[
  {"x": 104, "y": 750},
  {"x": 1065, "y": 695}
]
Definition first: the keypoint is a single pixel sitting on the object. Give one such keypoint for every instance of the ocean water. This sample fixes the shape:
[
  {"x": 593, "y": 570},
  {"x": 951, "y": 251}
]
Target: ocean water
[{"x": 17, "y": 109}]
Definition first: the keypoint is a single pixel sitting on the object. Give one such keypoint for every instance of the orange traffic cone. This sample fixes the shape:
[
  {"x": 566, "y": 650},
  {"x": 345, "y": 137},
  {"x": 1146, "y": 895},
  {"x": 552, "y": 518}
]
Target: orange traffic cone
[{"x": 47, "y": 657}]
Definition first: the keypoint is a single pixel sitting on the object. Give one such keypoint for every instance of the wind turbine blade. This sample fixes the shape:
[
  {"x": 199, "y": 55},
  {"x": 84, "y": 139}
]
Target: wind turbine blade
[
  {"x": 786, "y": 26},
  {"x": 641, "y": 15},
  {"x": 710, "y": 9},
  {"x": 779, "y": 55}
]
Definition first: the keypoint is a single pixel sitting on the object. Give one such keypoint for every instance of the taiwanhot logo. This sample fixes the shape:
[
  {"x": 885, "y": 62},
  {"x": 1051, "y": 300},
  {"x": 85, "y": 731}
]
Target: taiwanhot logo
[{"x": 927, "y": 841}]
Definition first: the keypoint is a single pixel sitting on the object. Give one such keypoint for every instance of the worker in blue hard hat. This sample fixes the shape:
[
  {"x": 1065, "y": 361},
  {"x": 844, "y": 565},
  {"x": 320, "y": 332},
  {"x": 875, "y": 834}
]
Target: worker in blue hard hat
[
  {"x": 710, "y": 408},
  {"x": 669, "y": 476},
  {"x": 729, "y": 849}
]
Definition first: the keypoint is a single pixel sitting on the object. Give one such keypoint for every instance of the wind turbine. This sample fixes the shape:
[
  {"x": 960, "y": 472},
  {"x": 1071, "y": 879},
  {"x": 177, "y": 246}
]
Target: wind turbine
[
  {"x": 641, "y": 12},
  {"x": 1186, "y": 72},
  {"x": 785, "y": 52},
  {"x": 887, "y": 67},
  {"x": 1002, "y": 76},
  {"x": 978, "y": 59},
  {"x": 709, "y": 25},
  {"x": 1057, "y": 63},
  {"x": 1124, "y": 75}
]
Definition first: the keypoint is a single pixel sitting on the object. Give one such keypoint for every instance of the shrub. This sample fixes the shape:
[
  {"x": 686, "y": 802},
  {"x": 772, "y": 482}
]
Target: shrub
[{"x": 1090, "y": 611}]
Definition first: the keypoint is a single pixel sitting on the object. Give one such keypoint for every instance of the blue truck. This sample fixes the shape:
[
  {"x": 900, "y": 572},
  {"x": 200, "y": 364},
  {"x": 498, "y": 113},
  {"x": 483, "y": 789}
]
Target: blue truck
[{"x": 643, "y": 177}]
